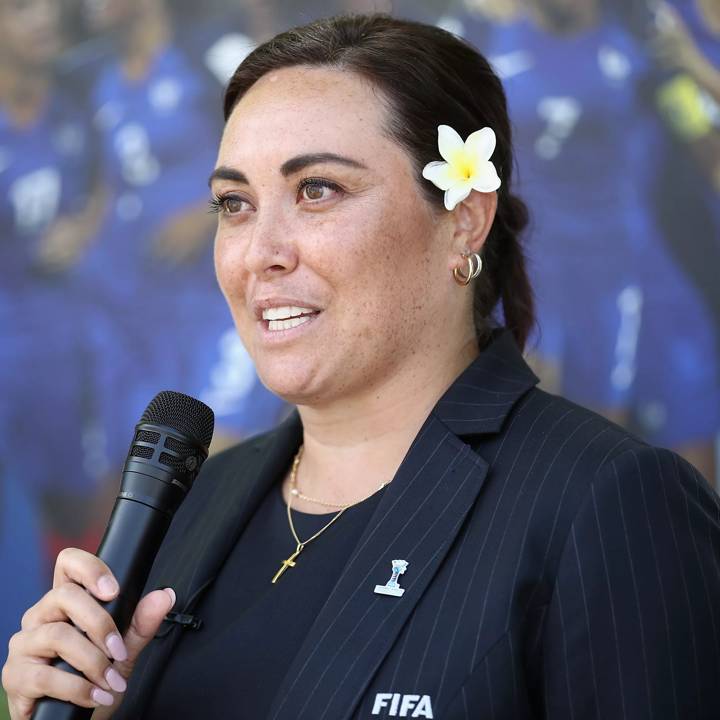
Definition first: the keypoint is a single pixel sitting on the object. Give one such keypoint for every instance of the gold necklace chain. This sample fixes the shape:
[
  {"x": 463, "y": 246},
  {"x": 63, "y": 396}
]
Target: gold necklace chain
[
  {"x": 290, "y": 562},
  {"x": 294, "y": 490}
]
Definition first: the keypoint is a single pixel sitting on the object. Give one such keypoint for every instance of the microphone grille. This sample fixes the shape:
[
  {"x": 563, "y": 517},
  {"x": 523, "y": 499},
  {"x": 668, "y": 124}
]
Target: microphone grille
[{"x": 182, "y": 413}]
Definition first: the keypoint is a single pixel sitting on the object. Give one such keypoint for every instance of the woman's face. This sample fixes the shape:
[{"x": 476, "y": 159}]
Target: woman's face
[{"x": 320, "y": 214}]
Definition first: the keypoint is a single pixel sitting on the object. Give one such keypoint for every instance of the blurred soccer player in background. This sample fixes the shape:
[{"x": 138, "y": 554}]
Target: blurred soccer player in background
[{"x": 159, "y": 318}]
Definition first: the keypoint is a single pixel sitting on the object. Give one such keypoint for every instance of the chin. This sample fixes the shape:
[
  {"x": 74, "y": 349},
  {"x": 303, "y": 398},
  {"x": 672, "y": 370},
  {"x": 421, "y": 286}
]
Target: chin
[{"x": 290, "y": 381}]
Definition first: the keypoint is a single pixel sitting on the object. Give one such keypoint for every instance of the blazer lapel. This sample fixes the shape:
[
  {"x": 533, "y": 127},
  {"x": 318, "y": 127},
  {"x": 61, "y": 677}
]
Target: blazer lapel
[
  {"x": 416, "y": 520},
  {"x": 483, "y": 396}
]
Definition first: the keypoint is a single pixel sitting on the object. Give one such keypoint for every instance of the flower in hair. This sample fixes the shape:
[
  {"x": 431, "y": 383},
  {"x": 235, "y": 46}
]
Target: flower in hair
[{"x": 467, "y": 164}]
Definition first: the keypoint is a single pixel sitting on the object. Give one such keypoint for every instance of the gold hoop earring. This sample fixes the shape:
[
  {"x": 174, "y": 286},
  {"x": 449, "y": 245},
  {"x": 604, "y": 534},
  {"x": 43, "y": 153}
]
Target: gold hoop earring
[{"x": 473, "y": 271}]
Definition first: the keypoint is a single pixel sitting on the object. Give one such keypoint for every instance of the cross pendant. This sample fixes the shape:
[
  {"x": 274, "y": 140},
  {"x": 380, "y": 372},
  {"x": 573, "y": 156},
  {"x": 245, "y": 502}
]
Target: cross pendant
[{"x": 290, "y": 562}]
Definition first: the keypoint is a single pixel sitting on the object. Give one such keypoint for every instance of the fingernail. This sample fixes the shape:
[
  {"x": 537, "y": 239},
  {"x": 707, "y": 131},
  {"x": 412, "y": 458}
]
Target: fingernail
[
  {"x": 101, "y": 697},
  {"x": 171, "y": 593},
  {"x": 115, "y": 680},
  {"x": 116, "y": 647},
  {"x": 107, "y": 585}
]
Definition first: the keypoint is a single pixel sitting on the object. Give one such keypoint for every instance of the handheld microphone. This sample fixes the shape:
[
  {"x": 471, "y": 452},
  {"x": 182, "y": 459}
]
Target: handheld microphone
[{"x": 169, "y": 446}]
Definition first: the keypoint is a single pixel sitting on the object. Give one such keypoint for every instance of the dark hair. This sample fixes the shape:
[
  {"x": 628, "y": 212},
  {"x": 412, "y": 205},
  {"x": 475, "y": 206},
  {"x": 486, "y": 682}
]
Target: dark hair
[{"x": 428, "y": 77}]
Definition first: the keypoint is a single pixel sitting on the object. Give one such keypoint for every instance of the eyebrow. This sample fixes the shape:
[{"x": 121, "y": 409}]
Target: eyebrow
[{"x": 289, "y": 167}]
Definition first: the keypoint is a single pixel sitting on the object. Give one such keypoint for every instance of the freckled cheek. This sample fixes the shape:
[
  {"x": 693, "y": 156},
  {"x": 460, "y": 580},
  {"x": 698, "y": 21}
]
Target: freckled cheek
[
  {"x": 398, "y": 250},
  {"x": 231, "y": 274},
  {"x": 385, "y": 289},
  {"x": 403, "y": 280}
]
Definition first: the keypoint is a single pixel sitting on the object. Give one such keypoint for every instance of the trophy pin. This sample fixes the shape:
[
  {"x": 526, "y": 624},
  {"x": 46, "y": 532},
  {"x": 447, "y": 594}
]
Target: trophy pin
[{"x": 391, "y": 587}]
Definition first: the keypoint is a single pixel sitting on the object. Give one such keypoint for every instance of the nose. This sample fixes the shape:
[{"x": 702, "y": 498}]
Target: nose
[{"x": 270, "y": 252}]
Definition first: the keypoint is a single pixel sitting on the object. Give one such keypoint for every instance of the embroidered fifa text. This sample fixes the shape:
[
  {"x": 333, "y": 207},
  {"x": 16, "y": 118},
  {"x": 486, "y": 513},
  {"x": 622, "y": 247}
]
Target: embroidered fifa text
[{"x": 414, "y": 706}]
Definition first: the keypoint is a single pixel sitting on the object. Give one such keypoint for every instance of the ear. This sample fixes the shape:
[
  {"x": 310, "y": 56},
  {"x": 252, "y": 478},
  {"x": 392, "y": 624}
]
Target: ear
[{"x": 473, "y": 219}]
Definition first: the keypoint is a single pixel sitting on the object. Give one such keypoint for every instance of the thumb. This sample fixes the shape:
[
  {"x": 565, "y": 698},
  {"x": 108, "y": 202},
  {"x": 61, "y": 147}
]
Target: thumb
[{"x": 145, "y": 622}]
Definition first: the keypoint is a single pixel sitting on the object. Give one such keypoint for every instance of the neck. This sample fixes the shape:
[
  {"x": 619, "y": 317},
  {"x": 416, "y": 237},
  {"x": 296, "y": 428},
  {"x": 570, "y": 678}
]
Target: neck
[
  {"x": 149, "y": 32},
  {"x": 23, "y": 91},
  {"x": 356, "y": 444}
]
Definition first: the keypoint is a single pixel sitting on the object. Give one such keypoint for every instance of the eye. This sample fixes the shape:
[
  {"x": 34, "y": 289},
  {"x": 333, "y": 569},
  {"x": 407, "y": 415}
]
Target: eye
[
  {"x": 229, "y": 204},
  {"x": 317, "y": 189}
]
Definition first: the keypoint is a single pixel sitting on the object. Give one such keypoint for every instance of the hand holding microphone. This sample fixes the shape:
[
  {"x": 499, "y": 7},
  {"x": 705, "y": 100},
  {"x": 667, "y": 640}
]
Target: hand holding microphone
[
  {"x": 81, "y": 663},
  {"x": 78, "y": 591}
]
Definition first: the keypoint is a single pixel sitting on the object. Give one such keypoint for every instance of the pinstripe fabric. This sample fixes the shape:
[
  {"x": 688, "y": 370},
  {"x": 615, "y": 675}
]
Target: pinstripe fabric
[{"x": 559, "y": 568}]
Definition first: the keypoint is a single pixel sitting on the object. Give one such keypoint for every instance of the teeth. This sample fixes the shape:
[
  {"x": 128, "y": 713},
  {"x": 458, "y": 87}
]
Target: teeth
[
  {"x": 287, "y": 324},
  {"x": 283, "y": 313}
]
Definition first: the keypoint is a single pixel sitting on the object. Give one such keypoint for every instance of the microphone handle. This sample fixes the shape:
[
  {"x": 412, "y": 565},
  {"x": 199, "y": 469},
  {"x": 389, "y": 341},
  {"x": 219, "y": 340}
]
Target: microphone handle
[{"x": 129, "y": 546}]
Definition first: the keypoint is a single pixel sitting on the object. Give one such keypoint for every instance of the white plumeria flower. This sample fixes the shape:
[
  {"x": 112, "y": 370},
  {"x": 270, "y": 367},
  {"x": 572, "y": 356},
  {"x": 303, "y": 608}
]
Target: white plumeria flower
[{"x": 467, "y": 164}]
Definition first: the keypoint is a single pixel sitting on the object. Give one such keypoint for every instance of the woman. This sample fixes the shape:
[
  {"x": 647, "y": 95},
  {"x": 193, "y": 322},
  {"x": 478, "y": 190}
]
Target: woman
[{"x": 492, "y": 550}]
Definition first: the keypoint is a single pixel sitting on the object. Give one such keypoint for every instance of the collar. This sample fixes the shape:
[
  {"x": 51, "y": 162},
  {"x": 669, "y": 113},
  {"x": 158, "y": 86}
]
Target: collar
[{"x": 480, "y": 399}]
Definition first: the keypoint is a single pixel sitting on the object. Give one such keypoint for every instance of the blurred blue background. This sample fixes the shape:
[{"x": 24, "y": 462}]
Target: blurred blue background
[{"x": 110, "y": 113}]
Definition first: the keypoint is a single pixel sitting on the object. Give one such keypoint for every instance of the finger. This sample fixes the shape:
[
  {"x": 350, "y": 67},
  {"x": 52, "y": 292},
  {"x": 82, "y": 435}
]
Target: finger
[
  {"x": 84, "y": 568},
  {"x": 70, "y": 602},
  {"x": 34, "y": 680},
  {"x": 145, "y": 622},
  {"x": 20, "y": 708},
  {"x": 63, "y": 640}
]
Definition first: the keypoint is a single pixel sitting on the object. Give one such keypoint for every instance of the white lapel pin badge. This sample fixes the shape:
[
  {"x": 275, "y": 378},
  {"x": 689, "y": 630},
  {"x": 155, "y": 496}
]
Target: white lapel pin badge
[{"x": 392, "y": 587}]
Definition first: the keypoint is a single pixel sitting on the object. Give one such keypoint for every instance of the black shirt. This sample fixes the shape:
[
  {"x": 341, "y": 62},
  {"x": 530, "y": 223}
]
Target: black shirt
[{"x": 252, "y": 629}]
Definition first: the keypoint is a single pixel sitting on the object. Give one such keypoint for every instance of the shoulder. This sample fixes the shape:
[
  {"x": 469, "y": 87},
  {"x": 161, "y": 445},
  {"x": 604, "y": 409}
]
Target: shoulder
[
  {"x": 582, "y": 450},
  {"x": 561, "y": 436},
  {"x": 592, "y": 448},
  {"x": 232, "y": 464},
  {"x": 241, "y": 451},
  {"x": 632, "y": 580},
  {"x": 560, "y": 473},
  {"x": 221, "y": 476}
]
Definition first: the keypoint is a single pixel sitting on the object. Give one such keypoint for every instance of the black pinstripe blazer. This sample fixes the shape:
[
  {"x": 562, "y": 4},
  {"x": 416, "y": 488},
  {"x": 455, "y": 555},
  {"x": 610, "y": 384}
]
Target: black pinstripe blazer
[{"x": 558, "y": 567}]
